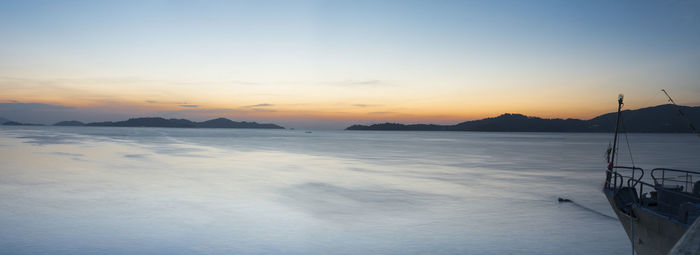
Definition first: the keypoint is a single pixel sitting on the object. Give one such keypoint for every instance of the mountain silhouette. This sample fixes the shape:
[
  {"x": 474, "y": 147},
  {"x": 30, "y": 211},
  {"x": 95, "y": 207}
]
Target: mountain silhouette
[
  {"x": 180, "y": 123},
  {"x": 227, "y": 123},
  {"x": 145, "y": 122},
  {"x": 657, "y": 119},
  {"x": 14, "y": 123},
  {"x": 72, "y": 123}
]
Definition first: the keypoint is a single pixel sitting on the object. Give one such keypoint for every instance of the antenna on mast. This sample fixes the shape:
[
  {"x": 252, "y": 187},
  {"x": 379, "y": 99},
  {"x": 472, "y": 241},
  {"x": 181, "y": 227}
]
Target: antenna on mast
[{"x": 681, "y": 113}]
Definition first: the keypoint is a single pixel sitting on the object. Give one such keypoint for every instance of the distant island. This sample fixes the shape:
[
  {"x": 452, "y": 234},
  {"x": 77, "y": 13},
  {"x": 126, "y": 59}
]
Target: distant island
[
  {"x": 657, "y": 119},
  {"x": 162, "y": 122},
  {"x": 14, "y": 123},
  {"x": 71, "y": 123}
]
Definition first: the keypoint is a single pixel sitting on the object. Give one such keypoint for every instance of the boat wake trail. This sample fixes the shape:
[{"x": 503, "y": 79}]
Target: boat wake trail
[{"x": 566, "y": 200}]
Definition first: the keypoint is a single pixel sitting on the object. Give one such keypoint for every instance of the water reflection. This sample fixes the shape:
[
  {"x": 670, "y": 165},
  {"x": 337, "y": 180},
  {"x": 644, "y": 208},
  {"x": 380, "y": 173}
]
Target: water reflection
[
  {"x": 325, "y": 200},
  {"x": 49, "y": 139}
]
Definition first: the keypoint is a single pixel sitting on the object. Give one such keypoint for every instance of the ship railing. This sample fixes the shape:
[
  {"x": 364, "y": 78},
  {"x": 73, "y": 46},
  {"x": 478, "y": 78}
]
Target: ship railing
[
  {"x": 666, "y": 192},
  {"x": 684, "y": 179},
  {"x": 671, "y": 201},
  {"x": 622, "y": 175}
]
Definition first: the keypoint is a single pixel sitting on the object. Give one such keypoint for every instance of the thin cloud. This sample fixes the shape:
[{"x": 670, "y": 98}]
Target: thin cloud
[
  {"x": 257, "y": 105},
  {"x": 199, "y": 82},
  {"x": 263, "y": 110},
  {"x": 380, "y": 113},
  {"x": 127, "y": 79},
  {"x": 366, "y": 105},
  {"x": 359, "y": 83},
  {"x": 207, "y": 114},
  {"x": 363, "y": 82},
  {"x": 202, "y": 111},
  {"x": 189, "y": 105},
  {"x": 219, "y": 111}
]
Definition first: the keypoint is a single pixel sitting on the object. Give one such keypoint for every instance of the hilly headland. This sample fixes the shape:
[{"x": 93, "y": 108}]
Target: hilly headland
[
  {"x": 658, "y": 119},
  {"x": 162, "y": 122}
]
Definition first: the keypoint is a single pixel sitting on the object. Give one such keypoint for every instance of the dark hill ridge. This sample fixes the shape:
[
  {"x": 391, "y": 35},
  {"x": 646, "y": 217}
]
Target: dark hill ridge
[
  {"x": 227, "y": 123},
  {"x": 181, "y": 123},
  {"x": 145, "y": 122},
  {"x": 520, "y": 123},
  {"x": 72, "y": 123},
  {"x": 14, "y": 123},
  {"x": 657, "y": 119}
]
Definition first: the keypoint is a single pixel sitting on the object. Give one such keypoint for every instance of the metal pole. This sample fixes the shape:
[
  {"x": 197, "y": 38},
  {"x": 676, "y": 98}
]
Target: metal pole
[{"x": 617, "y": 126}]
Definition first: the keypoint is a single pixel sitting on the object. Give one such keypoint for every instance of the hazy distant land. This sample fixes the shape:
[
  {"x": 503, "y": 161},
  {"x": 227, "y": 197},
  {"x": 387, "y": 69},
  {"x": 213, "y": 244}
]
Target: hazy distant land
[
  {"x": 162, "y": 122},
  {"x": 657, "y": 119},
  {"x": 3, "y": 120},
  {"x": 14, "y": 123}
]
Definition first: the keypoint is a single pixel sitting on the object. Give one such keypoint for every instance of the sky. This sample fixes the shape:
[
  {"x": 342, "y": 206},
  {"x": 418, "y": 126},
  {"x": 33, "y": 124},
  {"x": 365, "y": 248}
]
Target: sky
[{"x": 329, "y": 64}]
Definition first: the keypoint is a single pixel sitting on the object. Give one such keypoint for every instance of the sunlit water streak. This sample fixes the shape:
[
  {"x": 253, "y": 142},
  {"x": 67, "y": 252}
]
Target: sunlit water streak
[{"x": 66, "y": 190}]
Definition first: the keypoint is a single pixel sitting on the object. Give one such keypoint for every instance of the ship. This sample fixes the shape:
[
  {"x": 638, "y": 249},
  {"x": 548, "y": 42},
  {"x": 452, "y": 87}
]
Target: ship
[{"x": 658, "y": 208}]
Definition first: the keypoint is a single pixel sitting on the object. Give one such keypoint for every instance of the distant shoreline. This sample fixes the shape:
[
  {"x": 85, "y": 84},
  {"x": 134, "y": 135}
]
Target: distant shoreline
[
  {"x": 657, "y": 119},
  {"x": 161, "y": 123}
]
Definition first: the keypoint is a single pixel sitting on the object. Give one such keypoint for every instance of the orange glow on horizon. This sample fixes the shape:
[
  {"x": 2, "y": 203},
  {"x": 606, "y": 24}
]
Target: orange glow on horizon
[
  {"x": 404, "y": 104},
  {"x": 438, "y": 114}
]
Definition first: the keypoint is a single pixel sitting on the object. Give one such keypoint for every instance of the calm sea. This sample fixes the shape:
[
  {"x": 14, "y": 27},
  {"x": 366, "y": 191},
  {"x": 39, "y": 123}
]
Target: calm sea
[{"x": 79, "y": 190}]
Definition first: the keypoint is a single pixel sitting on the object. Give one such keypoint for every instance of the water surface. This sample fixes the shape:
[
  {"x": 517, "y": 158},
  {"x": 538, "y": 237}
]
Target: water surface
[{"x": 107, "y": 190}]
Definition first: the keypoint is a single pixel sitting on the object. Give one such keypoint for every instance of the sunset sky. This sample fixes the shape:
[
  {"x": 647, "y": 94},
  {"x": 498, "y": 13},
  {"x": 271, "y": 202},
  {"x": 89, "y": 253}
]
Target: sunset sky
[{"x": 328, "y": 64}]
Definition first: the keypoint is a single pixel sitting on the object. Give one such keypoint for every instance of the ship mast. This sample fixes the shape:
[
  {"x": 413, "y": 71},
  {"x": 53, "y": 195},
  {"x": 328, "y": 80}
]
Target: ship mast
[{"x": 617, "y": 127}]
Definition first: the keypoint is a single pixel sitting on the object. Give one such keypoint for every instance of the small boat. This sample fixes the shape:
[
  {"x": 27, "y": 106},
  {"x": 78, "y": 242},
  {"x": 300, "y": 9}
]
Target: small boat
[{"x": 656, "y": 208}]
